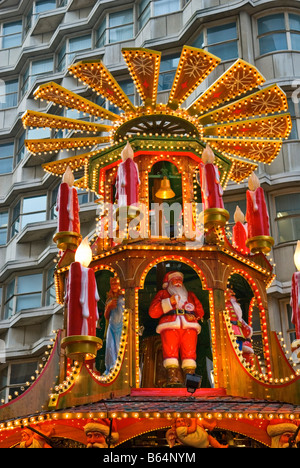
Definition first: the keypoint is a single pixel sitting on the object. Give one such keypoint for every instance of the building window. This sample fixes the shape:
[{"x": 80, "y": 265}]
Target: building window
[
  {"x": 8, "y": 93},
  {"x": 21, "y": 149},
  {"x": 288, "y": 217},
  {"x": 28, "y": 210},
  {"x": 120, "y": 26},
  {"x": 3, "y": 229},
  {"x": 163, "y": 7},
  {"x": 168, "y": 69},
  {"x": 221, "y": 41},
  {"x": 116, "y": 27},
  {"x": 144, "y": 12},
  {"x": 70, "y": 48},
  {"x": 44, "y": 5},
  {"x": 101, "y": 35},
  {"x": 6, "y": 157},
  {"x": 36, "y": 70},
  {"x": 150, "y": 9},
  {"x": 288, "y": 328},
  {"x": 280, "y": 31},
  {"x": 23, "y": 293},
  {"x": 12, "y": 34},
  {"x": 14, "y": 379},
  {"x": 50, "y": 293}
]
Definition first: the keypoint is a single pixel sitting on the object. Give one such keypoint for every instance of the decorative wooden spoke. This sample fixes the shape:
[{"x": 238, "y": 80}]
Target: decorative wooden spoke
[
  {"x": 239, "y": 119},
  {"x": 97, "y": 77},
  {"x": 52, "y": 92},
  {"x": 143, "y": 65},
  {"x": 194, "y": 66}
]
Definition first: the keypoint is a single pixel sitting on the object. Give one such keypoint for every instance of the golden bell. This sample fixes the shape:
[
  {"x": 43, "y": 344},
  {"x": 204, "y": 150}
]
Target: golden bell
[{"x": 165, "y": 190}]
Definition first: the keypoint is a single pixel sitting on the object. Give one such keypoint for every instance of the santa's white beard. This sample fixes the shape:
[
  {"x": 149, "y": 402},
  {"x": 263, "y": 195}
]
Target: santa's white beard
[{"x": 179, "y": 291}]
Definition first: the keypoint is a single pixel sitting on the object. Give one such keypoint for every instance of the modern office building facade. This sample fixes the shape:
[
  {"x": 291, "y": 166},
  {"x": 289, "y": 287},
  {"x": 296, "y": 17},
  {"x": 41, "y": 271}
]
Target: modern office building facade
[{"x": 39, "y": 40}]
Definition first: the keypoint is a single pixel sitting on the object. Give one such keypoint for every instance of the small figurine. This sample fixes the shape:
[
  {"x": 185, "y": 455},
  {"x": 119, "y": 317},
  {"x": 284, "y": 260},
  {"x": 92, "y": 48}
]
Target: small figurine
[
  {"x": 193, "y": 432},
  {"x": 241, "y": 329},
  {"x": 113, "y": 313},
  {"x": 98, "y": 433}
]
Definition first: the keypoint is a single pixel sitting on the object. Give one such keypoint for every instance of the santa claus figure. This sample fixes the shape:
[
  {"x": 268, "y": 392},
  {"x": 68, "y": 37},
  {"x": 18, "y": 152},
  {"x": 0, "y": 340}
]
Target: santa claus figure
[
  {"x": 179, "y": 312},
  {"x": 283, "y": 434},
  {"x": 99, "y": 434},
  {"x": 241, "y": 329}
]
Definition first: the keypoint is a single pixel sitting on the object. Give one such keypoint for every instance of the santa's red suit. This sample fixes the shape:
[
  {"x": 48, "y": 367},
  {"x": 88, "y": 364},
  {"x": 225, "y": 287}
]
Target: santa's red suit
[
  {"x": 178, "y": 327},
  {"x": 240, "y": 328}
]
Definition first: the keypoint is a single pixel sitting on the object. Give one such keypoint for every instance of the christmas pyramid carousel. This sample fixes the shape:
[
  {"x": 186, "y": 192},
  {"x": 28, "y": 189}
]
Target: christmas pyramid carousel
[{"x": 157, "y": 346}]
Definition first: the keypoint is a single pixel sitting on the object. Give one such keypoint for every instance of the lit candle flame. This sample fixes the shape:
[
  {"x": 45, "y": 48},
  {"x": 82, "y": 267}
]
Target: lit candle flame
[
  {"x": 68, "y": 177},
  {"x": 297, "y": 256},
  {"x": 253, "y": 182},
  {"x": 83, "y": 254},
  {"x": 208, "y": 155},
  {"x": 127, "y": 152},
  {"x": 239, "y": 215}
]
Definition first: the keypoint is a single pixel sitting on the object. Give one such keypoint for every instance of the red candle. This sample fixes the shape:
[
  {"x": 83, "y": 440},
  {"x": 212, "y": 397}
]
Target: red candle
[
  {"x": 257, "y": 214},
  {"x": 240, "y": 232},
  {"x": 82, "y": 295},
  {"x": 211, "y": 188},
  {"x": 295, "y": 302},
  {"x": 127, "y": 182},
  {"x": 67, "y": 205}
]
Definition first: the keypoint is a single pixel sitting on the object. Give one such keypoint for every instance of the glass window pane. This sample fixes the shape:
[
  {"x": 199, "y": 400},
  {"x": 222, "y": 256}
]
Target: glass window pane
[
  {"x": 32, "y": 218},
  {"x": 121, "y": 33},
  {"x": 12, "y": 34},
  {"x": 12, "y": 28},
  {"x": 29, "y": 301},
  {"x": 273, "y": 42},
  {"x": 295, "y": 41},
  {"x": 169, "y": 63},
  {"x": 3, "y": 220},
  {"x": 101, "y": 36},
  {"x": 271, "y": 23},
  {"x": 12, "y": 41},
  {"x": 80, "y": 43},
  {"x": 29, "y": 283},
  {"x": 162, "y": 7},
  {"x": 199, "y": 42},
  {"x": 287, "y": 204},
  {"x": 144, "y": 15},
  {"x": 42, "y": 66},
  {"x": 22, "y": 373},
  {"x": 8, "y": 309},
  {"x": 6, "y": 165},
  {"x": 165, "y": 81},
  {"x": 222, "y": 33},
  {"x": 294, "y": 22},
  {"x": 288, "y": 229},
  {"x": 227, "y": 51},
  {"x": 34, "y": 204},
  {"x": 6, "y": 159},
  {"x": 44, "y": 5},
  {"x": 120, "y": 18},
  {"x": 10, "y": 289}
]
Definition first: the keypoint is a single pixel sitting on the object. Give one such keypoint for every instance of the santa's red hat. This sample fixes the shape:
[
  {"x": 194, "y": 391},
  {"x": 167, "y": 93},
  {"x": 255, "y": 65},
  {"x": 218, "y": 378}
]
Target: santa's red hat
[
  {"x": 276, "y": 428},
  {"x": 102, "y": 426},
  {"x": 169, "y": 275}
]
